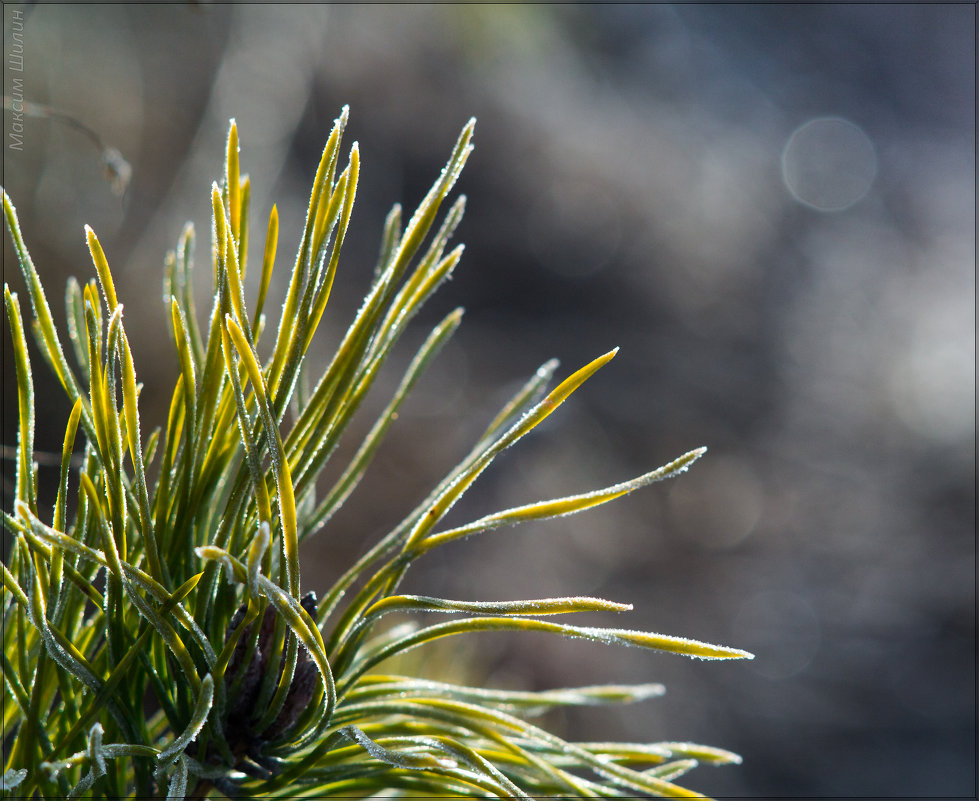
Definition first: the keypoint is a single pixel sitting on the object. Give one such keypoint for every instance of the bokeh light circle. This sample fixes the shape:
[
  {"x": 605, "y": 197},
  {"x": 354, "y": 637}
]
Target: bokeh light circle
[
  {"x": 781, "y": 629},
  {"x": 829, "y": 164}
]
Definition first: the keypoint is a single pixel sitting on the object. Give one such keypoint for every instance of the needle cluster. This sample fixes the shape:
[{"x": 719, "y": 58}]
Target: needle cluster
[{"x": 157, "y": 641}]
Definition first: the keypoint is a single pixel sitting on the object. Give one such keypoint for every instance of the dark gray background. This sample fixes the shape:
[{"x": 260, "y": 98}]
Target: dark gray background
[{"x": 626, "y": 189}]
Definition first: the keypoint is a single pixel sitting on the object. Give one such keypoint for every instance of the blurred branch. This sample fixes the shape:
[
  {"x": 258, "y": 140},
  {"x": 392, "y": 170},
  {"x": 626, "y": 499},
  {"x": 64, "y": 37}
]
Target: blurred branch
[{"x": 118, "y": 171}]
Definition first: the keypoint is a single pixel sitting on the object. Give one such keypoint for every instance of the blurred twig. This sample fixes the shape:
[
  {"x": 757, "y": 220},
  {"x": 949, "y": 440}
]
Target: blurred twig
[{"x": 118, "y": 171}]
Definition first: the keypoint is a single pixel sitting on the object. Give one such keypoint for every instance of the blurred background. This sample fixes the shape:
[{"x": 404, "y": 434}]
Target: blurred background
[{"x": 770, "y": 209}]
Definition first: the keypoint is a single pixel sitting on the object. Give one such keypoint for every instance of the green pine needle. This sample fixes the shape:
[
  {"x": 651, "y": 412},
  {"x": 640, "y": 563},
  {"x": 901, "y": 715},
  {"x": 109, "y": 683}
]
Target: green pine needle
[{"x": 158, "y": 644}]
